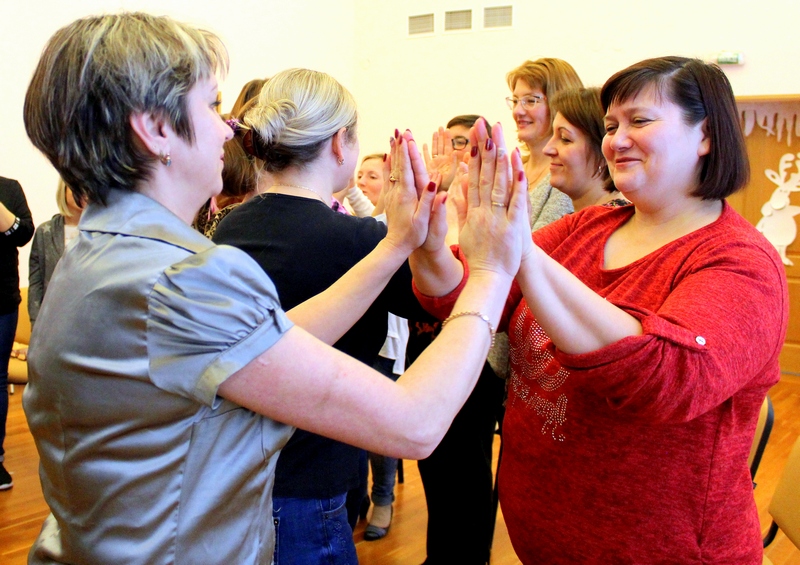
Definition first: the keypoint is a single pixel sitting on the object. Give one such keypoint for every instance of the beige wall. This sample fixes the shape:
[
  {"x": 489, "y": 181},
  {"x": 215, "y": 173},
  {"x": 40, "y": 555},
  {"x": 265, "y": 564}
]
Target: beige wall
[{"x": 416, "y": 83}]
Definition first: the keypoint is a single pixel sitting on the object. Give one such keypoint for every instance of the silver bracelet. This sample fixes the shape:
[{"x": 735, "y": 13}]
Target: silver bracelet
[
  {"x": 477, "y": 314},
  {"x": 13, "y": 227}
]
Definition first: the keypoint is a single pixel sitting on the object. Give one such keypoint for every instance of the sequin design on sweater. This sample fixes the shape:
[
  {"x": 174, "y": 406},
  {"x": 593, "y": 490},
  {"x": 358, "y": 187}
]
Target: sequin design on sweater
[{"x": 533, "y": 365}]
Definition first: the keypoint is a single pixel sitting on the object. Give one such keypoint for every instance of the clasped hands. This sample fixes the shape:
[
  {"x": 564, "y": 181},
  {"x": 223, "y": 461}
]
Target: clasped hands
[{"x": 495, "y": 230}]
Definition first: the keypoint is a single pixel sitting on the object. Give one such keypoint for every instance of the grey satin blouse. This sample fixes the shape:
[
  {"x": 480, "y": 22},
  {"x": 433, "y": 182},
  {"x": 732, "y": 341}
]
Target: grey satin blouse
[{"x": 141, "y": 461}]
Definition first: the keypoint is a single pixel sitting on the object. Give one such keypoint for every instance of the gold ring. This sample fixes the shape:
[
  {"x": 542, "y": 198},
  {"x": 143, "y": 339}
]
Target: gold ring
[
  {"x": 392, "y": 178},
  {"x": 500, "y": 204}
]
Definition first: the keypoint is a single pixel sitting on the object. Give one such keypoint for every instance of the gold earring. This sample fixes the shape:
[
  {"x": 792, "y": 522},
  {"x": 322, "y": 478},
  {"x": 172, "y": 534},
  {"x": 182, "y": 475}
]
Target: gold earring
[
  {"x": 341, "y": 161},
  {"x": 165, "y": 159}
]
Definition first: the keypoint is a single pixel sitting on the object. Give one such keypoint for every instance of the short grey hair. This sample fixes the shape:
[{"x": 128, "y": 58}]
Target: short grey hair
[
  {"x": 98, "y": 71},
  {"x": 297, "y": 111}
]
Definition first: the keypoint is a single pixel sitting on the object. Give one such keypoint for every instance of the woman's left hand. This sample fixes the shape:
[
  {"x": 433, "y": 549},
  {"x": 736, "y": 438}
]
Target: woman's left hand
[{"x": 496, "y": 204}]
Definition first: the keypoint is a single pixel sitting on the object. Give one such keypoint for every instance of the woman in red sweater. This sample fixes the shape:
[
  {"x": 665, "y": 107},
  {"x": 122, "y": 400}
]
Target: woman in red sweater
[{"x": 643, "y": 340}]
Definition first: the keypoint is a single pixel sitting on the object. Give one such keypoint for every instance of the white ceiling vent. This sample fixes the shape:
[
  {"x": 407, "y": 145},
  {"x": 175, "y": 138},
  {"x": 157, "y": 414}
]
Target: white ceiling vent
[
  {"x": 420, "y": 24},
  {"x": 460, "y": 19},
  {"x": 498, "y": 16}
]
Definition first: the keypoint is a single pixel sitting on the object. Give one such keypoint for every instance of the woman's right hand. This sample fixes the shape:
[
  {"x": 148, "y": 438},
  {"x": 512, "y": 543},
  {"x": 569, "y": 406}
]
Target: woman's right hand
[
  {"x": 408, "y": 194},
  {"x": 444, "y": 160},
  {"x": 496, "y": 205}
]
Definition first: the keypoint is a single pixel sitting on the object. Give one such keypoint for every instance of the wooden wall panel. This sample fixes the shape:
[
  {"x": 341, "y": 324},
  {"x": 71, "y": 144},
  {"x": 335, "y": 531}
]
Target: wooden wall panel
[{"x": 772, "y": 122}]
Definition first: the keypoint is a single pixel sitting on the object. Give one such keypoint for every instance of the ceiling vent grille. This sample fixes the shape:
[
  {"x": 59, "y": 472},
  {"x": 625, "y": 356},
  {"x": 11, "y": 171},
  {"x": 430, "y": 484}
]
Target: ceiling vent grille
[
  {"x": 420, "y": 24},
  {"x": 498, "y": 16},
  {"x": 460, "y": 19}
]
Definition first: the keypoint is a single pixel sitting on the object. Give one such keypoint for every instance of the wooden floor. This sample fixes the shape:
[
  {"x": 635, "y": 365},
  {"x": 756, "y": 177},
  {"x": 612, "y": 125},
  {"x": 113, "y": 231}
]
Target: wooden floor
[{"x": 22, "y": 508}]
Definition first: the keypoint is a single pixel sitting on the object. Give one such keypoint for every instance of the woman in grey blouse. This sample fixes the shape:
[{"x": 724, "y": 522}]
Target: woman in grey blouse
[
  {"x": 532, "y": 84},
  {"x": 161, "y": 365}
]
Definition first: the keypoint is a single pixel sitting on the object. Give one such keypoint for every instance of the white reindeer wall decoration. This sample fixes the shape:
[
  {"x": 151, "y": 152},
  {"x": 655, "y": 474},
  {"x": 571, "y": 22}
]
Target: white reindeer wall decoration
[{"x": 777, "y": 222}]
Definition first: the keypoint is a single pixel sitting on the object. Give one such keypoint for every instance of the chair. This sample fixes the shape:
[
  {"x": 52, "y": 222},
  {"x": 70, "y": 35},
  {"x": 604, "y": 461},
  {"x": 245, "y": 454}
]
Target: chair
[
  {"x": 785, "y": 504},
  {"x": 17, "y": 369},
  {"x": 764, "y": 427}
]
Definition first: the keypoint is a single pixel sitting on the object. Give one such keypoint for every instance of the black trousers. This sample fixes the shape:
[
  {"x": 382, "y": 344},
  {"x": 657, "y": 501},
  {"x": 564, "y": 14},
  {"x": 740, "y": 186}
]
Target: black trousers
[{"x": 457, "y": 478}]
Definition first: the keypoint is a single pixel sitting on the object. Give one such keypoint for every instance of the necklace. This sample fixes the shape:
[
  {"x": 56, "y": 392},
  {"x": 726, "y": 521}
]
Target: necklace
[{"x": 286, "y": 184}]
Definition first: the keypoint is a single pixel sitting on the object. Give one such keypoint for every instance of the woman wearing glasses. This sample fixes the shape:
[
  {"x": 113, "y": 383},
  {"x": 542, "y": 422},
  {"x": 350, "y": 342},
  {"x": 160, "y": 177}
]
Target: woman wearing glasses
[
  {"x": 532, "y": 84},
  {"x": 449, "y": 148}
]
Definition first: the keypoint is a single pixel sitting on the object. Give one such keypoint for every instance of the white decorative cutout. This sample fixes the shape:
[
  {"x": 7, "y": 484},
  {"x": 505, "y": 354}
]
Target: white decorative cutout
[
  {"x": 773, "y": 117},
  {"x": 777, "y": 222}
]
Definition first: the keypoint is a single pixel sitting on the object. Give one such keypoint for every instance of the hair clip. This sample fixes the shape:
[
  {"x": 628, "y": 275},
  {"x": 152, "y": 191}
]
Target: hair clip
[{"x": 235, "y": 124}]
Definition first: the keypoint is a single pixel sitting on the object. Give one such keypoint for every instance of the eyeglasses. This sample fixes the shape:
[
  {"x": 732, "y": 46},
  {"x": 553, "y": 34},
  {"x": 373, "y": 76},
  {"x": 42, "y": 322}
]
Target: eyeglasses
[
  {"x": 526, "y": 101},
  {"x": 460, "y": 142}
]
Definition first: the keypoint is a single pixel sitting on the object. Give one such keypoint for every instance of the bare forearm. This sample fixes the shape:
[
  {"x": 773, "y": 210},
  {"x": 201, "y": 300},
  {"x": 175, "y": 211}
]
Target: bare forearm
[
  {"x": 316, "y": 388},
  {"x": 576, "y": 318},
  {"x": 6, "y": 218},
  {"x": 329, "y": 315},
  {"x": 436, "y": 273}
]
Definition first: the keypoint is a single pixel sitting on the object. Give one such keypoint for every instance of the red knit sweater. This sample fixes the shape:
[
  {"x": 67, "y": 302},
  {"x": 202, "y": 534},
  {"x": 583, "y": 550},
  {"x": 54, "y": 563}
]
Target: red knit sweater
[{"x": 637, "y": 452}]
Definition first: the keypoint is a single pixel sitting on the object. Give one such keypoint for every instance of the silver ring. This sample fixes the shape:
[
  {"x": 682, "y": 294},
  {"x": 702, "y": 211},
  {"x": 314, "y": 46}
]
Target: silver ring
[
  {"x": 435, "y": 155},
  {"x": 500, "y": 204}
]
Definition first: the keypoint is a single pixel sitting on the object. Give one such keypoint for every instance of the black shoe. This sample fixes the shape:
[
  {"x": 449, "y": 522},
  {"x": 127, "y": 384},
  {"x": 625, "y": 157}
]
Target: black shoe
[
  {"x": 372, "y": 532},
  {"x": 5, "y": 479}
]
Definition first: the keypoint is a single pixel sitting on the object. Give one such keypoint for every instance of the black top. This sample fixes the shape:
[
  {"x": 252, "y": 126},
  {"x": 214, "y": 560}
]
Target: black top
[
  {"x": 305, "y": 247},
  {"x": 13, "y": 198}
]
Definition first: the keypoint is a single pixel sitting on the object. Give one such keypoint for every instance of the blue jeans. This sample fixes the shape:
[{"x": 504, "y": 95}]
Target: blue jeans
[
  {"x": 310, "y": 531},
  {"x": 8, "y": 327}
]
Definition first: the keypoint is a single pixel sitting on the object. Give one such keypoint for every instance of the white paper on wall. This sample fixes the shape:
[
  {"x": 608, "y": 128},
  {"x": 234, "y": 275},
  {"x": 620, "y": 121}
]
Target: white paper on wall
[
  {"x": 775, "y": 118},
  {"x": 777, "y": 221}
]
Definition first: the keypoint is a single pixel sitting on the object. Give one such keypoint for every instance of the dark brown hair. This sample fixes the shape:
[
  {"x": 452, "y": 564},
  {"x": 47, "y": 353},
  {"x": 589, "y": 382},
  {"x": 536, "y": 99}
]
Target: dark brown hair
[
  {"x": 581, "y": 107},
  {"x": 703, "y": 92},
  {"x": 468, "y": 120}
]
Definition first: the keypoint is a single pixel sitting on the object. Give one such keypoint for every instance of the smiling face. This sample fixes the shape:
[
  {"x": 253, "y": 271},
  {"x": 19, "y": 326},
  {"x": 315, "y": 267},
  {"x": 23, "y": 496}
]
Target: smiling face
[
  {"x": 533, "y": 123},
  {"x": 572, "y": 169},
  {"x": 370, "y": 179},
  {"x": 651, "y": 152},
  {"x": 199, "y": 164}
]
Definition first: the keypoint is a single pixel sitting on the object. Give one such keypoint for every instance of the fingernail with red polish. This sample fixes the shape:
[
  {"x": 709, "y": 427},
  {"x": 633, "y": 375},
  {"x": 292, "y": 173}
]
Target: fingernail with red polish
[
  {"x": 396, "y": 133},
  {"x": 431, "y": 186},
  {"x": 474, "y": 151},
  {"x": 384, "y": 157},
  {"x": 400, "y": 140},
  {"x": 521, "y": 176},
  {"x": 489, "y": 145}
]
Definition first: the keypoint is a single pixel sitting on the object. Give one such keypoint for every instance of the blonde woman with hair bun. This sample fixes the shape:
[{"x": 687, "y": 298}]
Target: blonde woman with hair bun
[{"x": 303, "y": 128}]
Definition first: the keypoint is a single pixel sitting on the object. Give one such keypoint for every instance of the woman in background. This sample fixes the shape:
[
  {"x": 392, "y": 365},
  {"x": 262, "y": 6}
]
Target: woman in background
[
  {"x": 239, "y": 175},
  {"x": 16, "y": 229},
  {"x": 458, "y": 476},
  {"x": 49, "y": 241},
  {"x": 369, "y": 178},
  {"x": 532, "y": 86},
  {"x": 577, "y": 166}
]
